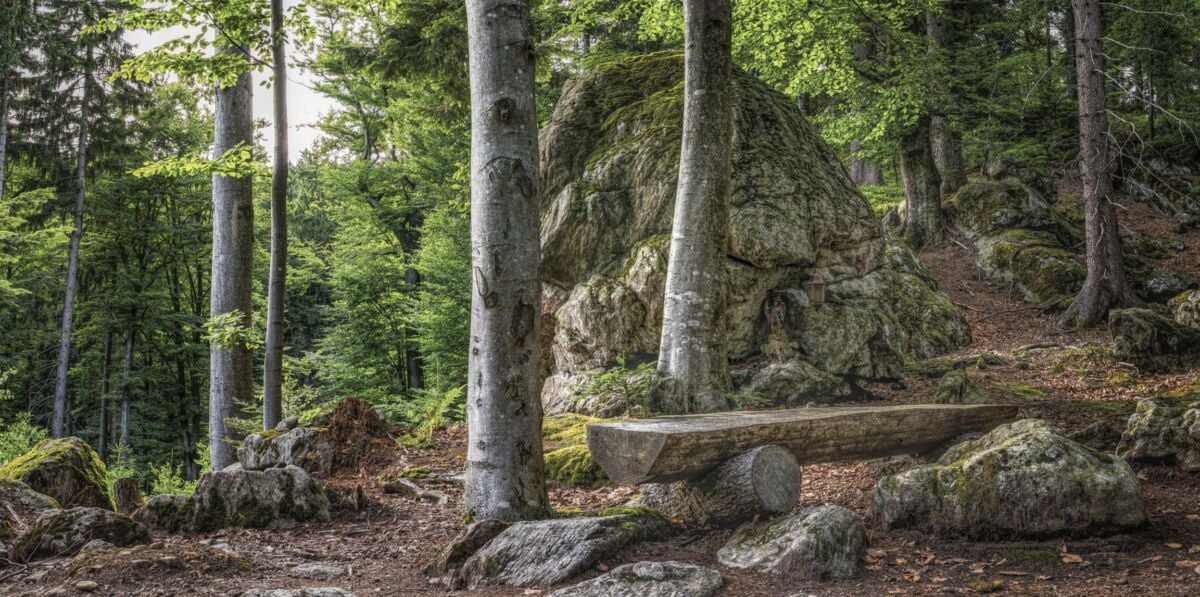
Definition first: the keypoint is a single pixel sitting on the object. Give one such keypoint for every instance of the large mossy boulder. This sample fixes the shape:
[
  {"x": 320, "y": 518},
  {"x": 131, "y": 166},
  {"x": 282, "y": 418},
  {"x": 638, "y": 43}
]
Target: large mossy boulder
[
  {"x": 610, "y": 161},
  {"x": 815, "y": 543},
  {"x": 275, "y": 498},
  {"x": 1021, "y": 480},
  {"x": 1152, "y": 341},
  {"x": 65, "y": 532},
  {"x": 66, "y": 469}
]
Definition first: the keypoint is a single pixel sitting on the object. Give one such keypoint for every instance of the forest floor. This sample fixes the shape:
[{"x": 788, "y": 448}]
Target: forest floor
[{"x": 1067, "y": 378}]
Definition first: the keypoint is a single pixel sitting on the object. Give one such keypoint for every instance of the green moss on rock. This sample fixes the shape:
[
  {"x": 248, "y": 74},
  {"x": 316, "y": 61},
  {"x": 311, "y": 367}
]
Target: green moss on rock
[
  {"x": 66, "y": 469},
  {"x": 574, "y": 465}
]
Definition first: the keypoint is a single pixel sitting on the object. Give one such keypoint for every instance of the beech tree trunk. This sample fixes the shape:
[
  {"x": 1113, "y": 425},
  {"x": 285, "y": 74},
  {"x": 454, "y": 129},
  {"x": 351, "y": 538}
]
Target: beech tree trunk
[
  {"x": 277, "y": 285},
  {"x": 58, "y": 424},
  {"x": 946, "y": 142},
  {"x": 922, "y": 188},
  {"x": 764, "y": 481},
  {"x": 693, "y": 347},
  {"x": 231, "y": 375},
  {"x": 863, "y": 172},
  {"x": 505, "y": 476},
  {"x": 1106, "y": 286}
]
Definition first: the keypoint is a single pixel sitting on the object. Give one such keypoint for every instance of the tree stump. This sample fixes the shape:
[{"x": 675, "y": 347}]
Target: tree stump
[
  {"x": 760, "y": 482},
  {"x": 127, "y": 495}
]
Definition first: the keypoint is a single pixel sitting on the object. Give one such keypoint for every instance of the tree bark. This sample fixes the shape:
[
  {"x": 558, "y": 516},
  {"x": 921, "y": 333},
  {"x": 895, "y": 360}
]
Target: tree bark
[
  {"x": 105, "y": 371},
  {"x": 764, "y": 481},
  {"x": 946, "y": 142},
  {"x": 231, "y": 374},
  {"x": 277, "y": 286},
  {"x": 58, "y": 424},
  {"x": 505, "y": 476},
  {"x": 1106, "y": 286},
  {"x": 4, "y": 91},
  {"x": 126, "y": 391},
  {"x": 693, "y": 347},
  {"x": 863, "y": 172},
  {"x": 922, "y": 187}
]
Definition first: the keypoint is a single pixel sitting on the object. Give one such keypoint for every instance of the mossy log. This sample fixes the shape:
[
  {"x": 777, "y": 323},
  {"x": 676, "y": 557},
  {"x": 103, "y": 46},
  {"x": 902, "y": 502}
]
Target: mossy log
[
  {"x": 683, "y": 447},
  {"x": 764, "y": 481}
]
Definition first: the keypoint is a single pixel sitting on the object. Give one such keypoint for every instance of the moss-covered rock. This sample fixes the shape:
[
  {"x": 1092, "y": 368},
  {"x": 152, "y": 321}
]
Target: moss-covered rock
[
  {"x": 304, "y": 447},
  {"x": 66, "y": 469},
  {"x": 1038, "y": 266},
  {"x": 1023, "y": 479},
  {"x": 814, "y": 543},
  {"x": 1161, "y": 432},
  {"x": 1185, "y": 307},
  {"x": 1152, "y": 341},
  {"x": 610, "y": 163},
  {"x": 957, "y": 388},
  {"x": 986, "y": 208},
  {"x": 66, "y": 531},
  {"x": 650, "y": 579},
  {"x": 20, "y": 507},
  {"x": 794, "y": 383},
  {"x": 574, "y": 465}
]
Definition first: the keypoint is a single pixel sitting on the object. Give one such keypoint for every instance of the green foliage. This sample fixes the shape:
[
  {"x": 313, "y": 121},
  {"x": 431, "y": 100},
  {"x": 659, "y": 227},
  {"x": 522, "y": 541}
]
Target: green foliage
[
  {"x": 428, "y": 412},
  {"x": 230, "y": 330},
  {"x": 18, "y": 437},
  {"x": 574, "y": 465},
  {"x": 167, "y": 478},
  {"x": 633, "y": 387},
  {"x": 123, "y": 467},
  {"x": 881, "y": 197}
]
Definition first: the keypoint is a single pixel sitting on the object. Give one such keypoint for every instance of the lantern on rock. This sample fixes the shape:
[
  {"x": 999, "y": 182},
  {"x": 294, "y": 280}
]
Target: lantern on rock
[{"x": 815, "y": 289}]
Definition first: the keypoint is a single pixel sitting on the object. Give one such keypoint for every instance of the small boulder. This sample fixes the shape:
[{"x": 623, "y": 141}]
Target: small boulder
[
  {"x": 1023, "y": 479},
  {"x": 66, "y": 469},
  {"x": 305, "y": 592},
  {"x": 548, "y": 552},
  {"x": 795, "y": 382},
  {"x": 288, "y": 424},
  {"x": 66, "y": 532},
  {"x": 812, "y": 544},
  {"x": 957, "y": 388},
  {"x": 318, "y": 570},
  {"x": 275, "y": 498},
  {"x": 302, "y": 447},
  {"x": 20, "y": 507},
  {"x": 445, "y": 567},
  {"x": 1163, "y": 433},
  {"x": 650, "y": 579},
  {"x": 1098, "y": 436},
  {"x": 1185, "y": 308},
  {"x": 1151, "y": 341}
]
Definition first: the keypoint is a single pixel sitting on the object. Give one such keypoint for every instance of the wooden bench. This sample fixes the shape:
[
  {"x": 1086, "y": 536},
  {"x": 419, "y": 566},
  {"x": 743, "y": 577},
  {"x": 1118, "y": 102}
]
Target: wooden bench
[{"x": 725, "y": 467}]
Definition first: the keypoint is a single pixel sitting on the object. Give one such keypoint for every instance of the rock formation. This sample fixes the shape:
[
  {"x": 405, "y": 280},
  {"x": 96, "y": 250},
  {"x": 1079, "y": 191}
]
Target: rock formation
[{"x": 610, "y": 157}]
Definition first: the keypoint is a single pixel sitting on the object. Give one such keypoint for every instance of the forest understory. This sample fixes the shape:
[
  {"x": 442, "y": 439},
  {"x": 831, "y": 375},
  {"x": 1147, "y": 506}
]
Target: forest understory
[{"x": 377, "y": 543}]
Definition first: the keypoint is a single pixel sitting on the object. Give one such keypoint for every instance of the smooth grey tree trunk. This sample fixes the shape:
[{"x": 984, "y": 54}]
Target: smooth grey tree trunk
[
  {"x": 922, "y": 188},
  {"x": 231, "y": 374},
  {"x": 126, "y": 391},
  {"x": 277, "y": 285},
  {"x": 946, "y": 141},
  {"x": 864, "y": 172},
  {"x": 1106, "y": 286},
  {"x": 693, "y": 351},
  {"x": 58, "y": 424},
  {"x": 505, "y": 476}
]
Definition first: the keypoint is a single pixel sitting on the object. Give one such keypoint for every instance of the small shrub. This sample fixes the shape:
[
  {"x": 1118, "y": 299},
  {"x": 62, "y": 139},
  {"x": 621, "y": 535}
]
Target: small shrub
[
  {"x": 634, "y": 387},
  {"x": 168, "y": 478},
  {"x": 19, "y": 437}
]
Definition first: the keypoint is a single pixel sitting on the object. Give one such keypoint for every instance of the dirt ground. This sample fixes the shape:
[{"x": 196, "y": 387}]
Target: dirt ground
[{"x": 1068, "y": 378}]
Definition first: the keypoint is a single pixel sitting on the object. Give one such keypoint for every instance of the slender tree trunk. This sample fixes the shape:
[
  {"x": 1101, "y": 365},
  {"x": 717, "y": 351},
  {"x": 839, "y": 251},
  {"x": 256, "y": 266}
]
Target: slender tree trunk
[
  {"x": 693, "y": 347},
  {"x": 922, "y": 202},
  {"x": 863, "y": 172},
  {"x": 1106, "y": 286},
  {"x": 277, "y": 287},
  {"x": 4, "y": 91},
  {"x": 505, "y": 472},
  {"x": 105, "y": 371},
  {"x": 64, "y": 344},
  {"x": 231, "y": 373},
  {"x": 946, "y": 142},
  {"x": 126, "y": 390},
  {"x": 1072, "y": 68}
]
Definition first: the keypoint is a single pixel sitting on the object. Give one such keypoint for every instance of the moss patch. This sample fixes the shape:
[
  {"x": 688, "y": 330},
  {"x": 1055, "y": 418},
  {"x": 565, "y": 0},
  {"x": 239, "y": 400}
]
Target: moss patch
[
  {"x": 1020, "y": 390},
  {"x": 574, "y": 465}
]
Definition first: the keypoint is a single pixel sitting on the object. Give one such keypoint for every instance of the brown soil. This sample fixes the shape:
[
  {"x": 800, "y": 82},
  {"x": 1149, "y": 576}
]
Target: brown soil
[{"x": 1068, "y": 378}]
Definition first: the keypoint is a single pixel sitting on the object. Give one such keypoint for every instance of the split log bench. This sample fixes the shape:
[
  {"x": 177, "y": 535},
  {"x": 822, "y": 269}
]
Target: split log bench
[{"x": 724, "y": 468}]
